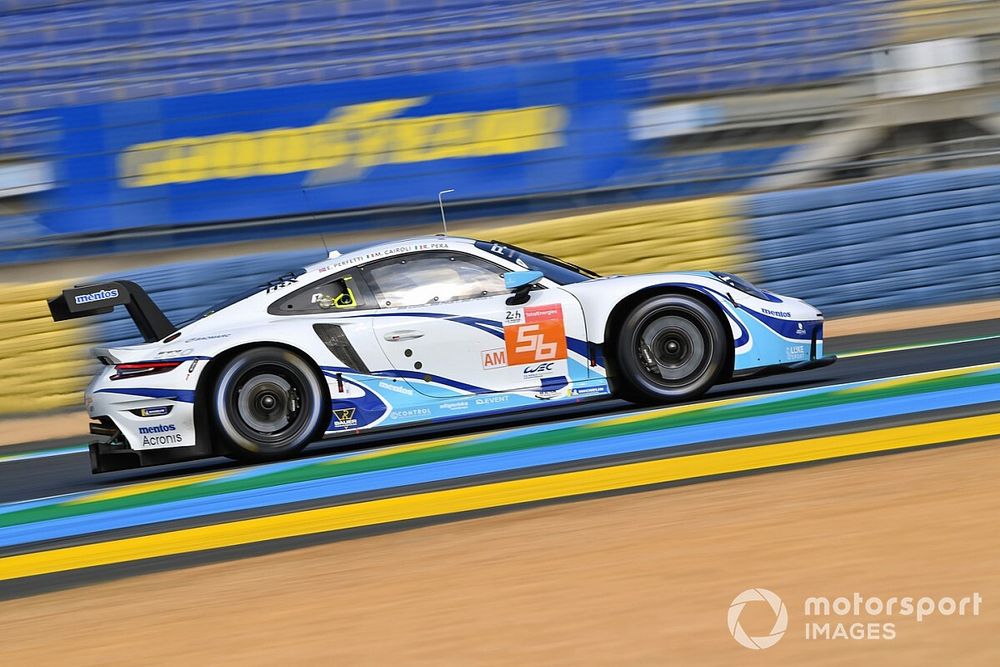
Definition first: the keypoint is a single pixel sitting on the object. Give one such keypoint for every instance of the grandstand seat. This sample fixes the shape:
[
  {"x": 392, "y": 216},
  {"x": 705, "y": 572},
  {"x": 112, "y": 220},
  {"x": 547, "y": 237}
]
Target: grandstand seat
[{"x": 59, "y": 52}]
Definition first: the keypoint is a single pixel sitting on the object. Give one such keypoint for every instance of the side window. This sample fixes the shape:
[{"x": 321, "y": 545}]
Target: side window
[
  {"x": 433, "y": 278},
  {"x": 337, "y": 294}
]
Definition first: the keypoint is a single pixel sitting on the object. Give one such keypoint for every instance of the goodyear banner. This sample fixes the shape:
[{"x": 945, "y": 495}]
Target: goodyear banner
[{"x": 263, "y": 153}]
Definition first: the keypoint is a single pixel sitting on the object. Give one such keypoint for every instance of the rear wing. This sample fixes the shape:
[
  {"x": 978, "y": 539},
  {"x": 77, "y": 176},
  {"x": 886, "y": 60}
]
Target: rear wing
[{"x": 100, "y": 298}]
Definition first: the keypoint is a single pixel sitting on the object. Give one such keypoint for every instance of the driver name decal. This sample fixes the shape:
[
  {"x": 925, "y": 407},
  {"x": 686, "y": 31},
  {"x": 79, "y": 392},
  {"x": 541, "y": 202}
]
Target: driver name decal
[{"x": 534, "y": 334}]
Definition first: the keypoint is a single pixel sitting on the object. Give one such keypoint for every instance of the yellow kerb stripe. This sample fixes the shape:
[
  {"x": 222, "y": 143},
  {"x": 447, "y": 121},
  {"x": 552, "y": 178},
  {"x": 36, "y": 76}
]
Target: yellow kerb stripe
[
  {"x": 498, "y": 494},
  {"x": 677, "y": 410},
  {"x": 147, "y": 487},
  {"x": 398, "y": 449}
]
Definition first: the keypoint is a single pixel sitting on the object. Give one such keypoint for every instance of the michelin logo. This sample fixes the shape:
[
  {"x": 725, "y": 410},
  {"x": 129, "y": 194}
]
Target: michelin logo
[{"x": 103, "y": 295}]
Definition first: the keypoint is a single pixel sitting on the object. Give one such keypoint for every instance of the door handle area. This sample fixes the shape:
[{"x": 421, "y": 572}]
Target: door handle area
[{"x": 403, "y": 334}]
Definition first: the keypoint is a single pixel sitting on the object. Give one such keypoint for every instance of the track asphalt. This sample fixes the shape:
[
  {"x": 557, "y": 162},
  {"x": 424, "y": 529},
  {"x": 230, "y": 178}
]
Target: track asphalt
[{"x": 932, "y": 387}]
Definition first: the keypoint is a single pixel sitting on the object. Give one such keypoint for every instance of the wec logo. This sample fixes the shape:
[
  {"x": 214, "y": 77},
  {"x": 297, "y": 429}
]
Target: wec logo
[
  {"x": 102, "y": 295},
  {"x": 540, "y": 369}
]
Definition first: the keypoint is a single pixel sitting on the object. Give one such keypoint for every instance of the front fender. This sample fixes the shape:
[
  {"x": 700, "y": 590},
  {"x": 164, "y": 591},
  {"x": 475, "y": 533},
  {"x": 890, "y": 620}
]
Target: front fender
[{"x": 765, "y": 332}]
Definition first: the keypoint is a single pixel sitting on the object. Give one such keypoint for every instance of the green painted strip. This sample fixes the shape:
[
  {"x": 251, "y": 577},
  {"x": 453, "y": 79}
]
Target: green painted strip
[
  {"x": 42, "y": 453},
  {"x": 853, "y": 394},
  {"x": 914, "y": 346}
]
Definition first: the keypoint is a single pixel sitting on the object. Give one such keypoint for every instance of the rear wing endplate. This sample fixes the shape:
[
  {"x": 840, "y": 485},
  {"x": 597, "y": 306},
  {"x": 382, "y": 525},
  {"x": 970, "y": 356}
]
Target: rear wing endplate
[{"x": 100, "y": 298}]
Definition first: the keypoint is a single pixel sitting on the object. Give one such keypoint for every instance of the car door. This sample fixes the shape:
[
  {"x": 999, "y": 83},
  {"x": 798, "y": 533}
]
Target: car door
[{"x": 444, "y": 325}]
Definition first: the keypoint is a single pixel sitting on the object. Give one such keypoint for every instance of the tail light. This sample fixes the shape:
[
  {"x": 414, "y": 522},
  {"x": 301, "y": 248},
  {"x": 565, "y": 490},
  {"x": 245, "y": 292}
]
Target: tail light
[{"x": 141, "y": 368}]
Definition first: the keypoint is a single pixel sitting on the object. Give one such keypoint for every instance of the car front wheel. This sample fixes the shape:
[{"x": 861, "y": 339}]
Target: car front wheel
[
  {"x": 669, "y": 348},
  {"x": 268, "y": 404}
]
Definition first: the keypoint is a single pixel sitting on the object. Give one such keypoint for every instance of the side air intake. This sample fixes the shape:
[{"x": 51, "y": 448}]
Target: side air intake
[{"x": 336, "y": 341}]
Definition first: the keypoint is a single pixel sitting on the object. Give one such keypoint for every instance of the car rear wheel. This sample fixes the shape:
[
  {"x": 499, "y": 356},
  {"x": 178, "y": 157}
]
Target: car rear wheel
[
  {"x": 670, "y": 347},
  {"x": 268, "y": 404}
]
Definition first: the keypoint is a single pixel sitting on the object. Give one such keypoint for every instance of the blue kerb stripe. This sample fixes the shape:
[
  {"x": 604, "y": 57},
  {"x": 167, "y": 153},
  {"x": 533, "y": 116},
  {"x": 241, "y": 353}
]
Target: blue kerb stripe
[{"x": 493, "y": 463}]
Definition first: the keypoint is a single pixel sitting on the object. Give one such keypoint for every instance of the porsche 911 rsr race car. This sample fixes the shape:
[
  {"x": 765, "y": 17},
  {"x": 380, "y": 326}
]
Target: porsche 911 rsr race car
[{"x": 421, "y": 330}]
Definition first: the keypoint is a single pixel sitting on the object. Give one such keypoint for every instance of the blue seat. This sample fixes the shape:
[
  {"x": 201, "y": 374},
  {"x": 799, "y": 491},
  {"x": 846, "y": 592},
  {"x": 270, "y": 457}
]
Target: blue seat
[
  {"x": 344, "y": 71},
  {"x": 195, "y": 85},
  {"x": 167, "y": 24},
  {"x": 680, "y": 46}
]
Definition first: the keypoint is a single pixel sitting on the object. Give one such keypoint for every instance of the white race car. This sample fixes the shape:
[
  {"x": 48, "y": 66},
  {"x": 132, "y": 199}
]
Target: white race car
[{"x": 422, "y": 330}]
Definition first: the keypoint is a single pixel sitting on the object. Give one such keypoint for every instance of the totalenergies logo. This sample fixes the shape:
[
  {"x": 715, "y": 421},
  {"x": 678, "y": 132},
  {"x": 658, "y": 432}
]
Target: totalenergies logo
[{"x": 349, "y": 141}]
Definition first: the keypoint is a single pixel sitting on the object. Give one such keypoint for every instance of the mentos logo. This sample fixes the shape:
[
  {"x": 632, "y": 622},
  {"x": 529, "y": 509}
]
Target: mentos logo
[
  {"x": 161, "y": 428},
  {"x": 103, "y": 295}
]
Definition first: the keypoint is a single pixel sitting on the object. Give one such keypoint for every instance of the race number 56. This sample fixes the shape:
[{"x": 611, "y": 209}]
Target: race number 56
[
  {"x": 531, "y": 341},
  {"x": 535, "y": 335}
]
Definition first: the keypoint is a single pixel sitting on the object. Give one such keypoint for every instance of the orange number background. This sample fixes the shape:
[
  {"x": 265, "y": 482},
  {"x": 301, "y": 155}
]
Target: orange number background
[{"x": 541, "y": 337}]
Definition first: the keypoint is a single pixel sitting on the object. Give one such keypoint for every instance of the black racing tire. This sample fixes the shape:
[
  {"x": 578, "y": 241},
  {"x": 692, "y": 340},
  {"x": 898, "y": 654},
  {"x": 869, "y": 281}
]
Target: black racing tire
[
  {"x": 670, "y": 348},
  {"x": 267, "y": 404}
]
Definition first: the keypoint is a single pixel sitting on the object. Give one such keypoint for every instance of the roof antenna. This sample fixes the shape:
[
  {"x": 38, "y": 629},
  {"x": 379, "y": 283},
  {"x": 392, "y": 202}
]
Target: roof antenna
[
  {"x": 313, "y": 215},
  {"x": 444, "y": 223}
]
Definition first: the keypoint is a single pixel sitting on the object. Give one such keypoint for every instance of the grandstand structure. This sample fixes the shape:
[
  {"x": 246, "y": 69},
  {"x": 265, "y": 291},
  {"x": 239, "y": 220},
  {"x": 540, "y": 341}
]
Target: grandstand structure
[
  {"x": 76, "y": 52},
  {"x": 733, "y": 94},
  {"x": 79, "y": 52},
  {"x": 776, "y": 138}
]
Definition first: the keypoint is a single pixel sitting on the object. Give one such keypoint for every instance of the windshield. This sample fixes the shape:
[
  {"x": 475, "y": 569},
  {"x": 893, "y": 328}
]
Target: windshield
[{"x": 557, "y": 270}]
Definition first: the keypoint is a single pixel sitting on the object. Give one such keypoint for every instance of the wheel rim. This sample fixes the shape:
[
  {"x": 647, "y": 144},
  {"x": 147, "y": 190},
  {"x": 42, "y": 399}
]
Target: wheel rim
[
  {"x": 267, "y": 403},
  {"x": 673, "y": 350}
]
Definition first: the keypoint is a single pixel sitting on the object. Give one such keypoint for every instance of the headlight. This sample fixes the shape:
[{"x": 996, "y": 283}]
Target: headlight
[{"x": 742, "y": 285}]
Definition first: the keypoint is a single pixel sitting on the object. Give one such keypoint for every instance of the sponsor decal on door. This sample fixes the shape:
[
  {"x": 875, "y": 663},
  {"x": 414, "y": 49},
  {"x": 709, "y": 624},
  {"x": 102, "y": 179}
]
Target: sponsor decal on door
[{"x": 534, "y": 334}]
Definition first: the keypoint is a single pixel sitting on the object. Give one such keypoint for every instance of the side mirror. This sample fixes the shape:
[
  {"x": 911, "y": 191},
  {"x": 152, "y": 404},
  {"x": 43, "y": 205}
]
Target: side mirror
[
  {"x": 520, "y": 282},
  {"x": 513, "y": 280}
]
